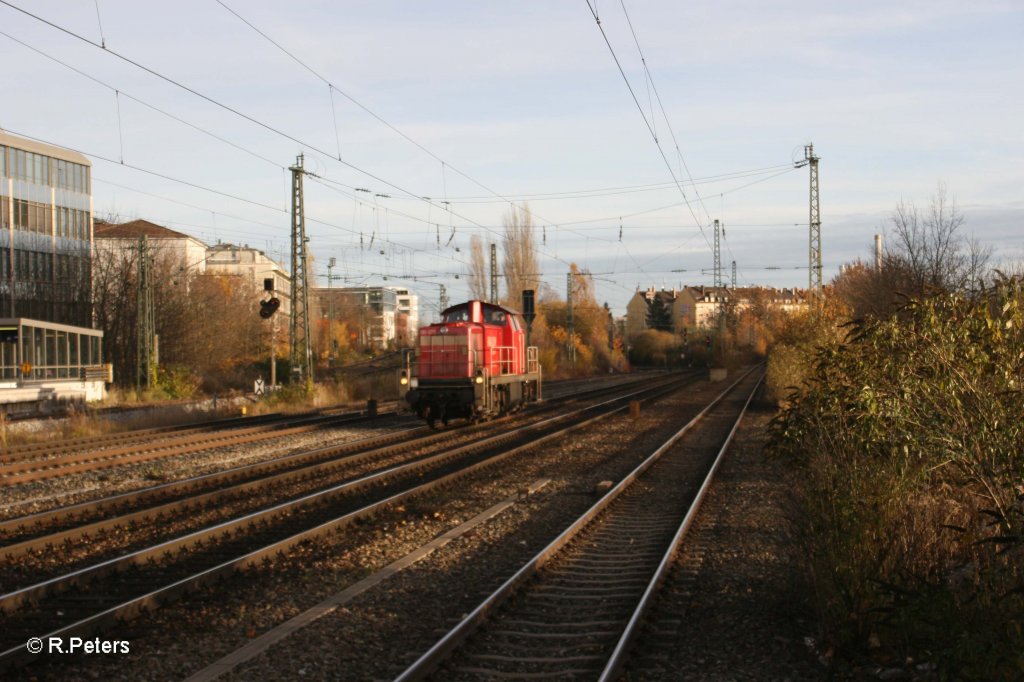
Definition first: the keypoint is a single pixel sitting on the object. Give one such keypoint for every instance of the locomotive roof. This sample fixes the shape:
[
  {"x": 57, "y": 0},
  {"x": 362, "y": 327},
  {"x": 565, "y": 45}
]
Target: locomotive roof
[{"x": 493, "y": 305}]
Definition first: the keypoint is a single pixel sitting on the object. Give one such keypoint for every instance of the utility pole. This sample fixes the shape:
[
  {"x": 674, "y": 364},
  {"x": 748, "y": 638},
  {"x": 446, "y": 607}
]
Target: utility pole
[
  {"x": 301, "y": 360},
  {"x": 494, "y": 273},
  {"x": 814, "y": 254},
  {"x": 145, "y": 351}
]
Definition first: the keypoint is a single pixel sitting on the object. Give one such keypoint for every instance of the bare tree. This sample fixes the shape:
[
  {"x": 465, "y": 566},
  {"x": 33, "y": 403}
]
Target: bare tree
[
  {"x": 927, "y": 254},
  {"x": 222, "y": 328},
  {"x": 520, "y": 265},
  {"x": 206, "y": 324},
  {"x": 929, "y": 251},
  {"x": 114, "y": 297},
  {"x": 478, "y": 288}
]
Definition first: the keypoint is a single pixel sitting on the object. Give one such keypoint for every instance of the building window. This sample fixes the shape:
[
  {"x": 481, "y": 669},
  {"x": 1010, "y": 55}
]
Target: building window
[{"x": 20, "y": 214}]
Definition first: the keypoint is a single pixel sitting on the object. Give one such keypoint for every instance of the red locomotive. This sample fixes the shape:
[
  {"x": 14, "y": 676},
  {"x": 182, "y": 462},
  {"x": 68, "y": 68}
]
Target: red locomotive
[{"x": 473, "y": 364}]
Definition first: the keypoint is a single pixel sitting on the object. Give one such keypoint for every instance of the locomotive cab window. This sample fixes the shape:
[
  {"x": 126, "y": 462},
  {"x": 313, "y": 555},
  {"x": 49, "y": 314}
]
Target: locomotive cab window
[
  {"x": 494, "y": 316},
  {"x": 459, "y": 314}
]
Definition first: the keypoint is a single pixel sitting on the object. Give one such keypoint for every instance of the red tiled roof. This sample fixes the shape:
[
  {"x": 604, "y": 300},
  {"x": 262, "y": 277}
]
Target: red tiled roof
[{"x": 134, "y": 229}]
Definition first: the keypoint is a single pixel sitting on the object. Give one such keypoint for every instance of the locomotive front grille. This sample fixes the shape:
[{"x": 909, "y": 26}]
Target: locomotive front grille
[{"x": 446, "y": 355}]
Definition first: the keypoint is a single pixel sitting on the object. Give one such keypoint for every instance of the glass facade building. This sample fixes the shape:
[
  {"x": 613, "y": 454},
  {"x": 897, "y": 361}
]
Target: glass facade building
[
  {"x": 45, "y": 233},
  {"x": 38, "y": 351}
]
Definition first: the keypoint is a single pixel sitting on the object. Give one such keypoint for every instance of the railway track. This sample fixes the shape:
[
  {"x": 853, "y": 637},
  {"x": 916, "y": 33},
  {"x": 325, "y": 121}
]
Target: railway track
[
  {"x": 573, "y": 610},
  {"x": 28, "y": 469},
  {"x": 144, "y": 578},
  {"x": 66, "y": 525},
  {"x": 43, "y": 461},
  {"x": 53, "y": 448}
]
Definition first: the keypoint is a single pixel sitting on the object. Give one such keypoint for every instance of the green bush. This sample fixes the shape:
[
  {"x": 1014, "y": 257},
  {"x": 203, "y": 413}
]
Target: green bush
[
  {"x": 175, "y": 382},
  {"x": 909, "y": 447}
]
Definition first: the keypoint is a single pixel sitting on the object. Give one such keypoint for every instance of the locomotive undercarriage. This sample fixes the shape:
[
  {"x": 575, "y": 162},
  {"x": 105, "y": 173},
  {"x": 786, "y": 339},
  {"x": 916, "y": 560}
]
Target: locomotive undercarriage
[{"x": 443, "y": 399}]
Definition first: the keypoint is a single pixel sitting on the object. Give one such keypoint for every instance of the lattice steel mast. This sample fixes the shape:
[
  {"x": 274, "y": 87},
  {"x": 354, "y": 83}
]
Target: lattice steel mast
[
  {"x": 494, "y": 273},
  {"x": 301, "y": 359},
  {"x": 145, "y": 350},
  {"x": 814, "y": 254},
  {"x": 444, "y": 298},
  {"x": 718, "y": 255}
]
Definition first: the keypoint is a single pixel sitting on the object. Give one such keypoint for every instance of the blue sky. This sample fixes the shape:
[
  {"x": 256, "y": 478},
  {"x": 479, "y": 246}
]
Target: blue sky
[{"x": 524, "y": 100}]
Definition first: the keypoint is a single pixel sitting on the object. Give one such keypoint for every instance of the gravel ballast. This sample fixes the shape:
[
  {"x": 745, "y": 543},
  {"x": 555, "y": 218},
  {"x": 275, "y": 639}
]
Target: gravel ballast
[{"x": 378, "y": 633}]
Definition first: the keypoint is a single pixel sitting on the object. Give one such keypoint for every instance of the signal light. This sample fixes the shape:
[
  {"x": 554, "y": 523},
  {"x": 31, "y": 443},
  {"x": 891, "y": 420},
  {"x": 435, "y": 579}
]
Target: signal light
[
  {"x": 269, "y": 307},
  {"x": 403, "y": 379},
  {"x": 479, "y": 376}
]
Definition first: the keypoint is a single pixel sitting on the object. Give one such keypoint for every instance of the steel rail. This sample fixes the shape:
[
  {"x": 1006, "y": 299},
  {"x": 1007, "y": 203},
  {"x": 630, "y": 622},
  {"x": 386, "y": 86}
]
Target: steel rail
[
  {"x": 442, "y": 649},
  {"x": 23, "y": 451},
  {"x": 184, "y": 486},
  {"x": 618, "y": 657},
  {"x": 17, "y": 453},
  {"x": 12, "y": 600},
  {"x": 134, "y": 606},
  {"x": 37, "y": 470},
  {"x": 233, "y": 475},
  {"x": 296, "y": 469}
]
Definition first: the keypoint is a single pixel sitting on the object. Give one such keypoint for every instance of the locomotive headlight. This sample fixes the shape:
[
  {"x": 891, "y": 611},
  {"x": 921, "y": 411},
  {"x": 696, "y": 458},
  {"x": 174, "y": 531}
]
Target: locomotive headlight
[{"x": 403, "y": 379}]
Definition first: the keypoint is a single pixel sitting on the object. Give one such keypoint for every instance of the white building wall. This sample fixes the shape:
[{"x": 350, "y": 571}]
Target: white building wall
[{"x": 253, "y": 266}]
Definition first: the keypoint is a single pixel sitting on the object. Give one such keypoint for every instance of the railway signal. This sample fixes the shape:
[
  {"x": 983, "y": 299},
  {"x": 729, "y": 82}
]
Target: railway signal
[{"x": 269, "y": 307}]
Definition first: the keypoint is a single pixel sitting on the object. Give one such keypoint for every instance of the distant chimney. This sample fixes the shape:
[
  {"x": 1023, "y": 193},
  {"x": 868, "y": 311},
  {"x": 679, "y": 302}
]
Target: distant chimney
[{"x": 878, "y": 252}]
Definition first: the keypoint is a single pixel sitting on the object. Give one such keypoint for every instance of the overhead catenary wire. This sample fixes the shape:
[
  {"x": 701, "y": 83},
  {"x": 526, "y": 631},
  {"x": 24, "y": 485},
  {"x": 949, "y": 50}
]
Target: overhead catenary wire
[
  {"x": 142, "y": 102},
  {"x": 668, "y": 122},
  {"x": 204, "y": 188},
  {"x": 444, "y": 164},
  {"x": 231, "y": 196},
  {"x": 650, "y": 128},
  {"x": 99, "y": 21},
  {"x": 165, "y": 176},
  {"x": 626, "y": 189},
  {"x": 217, "y": 103}
]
